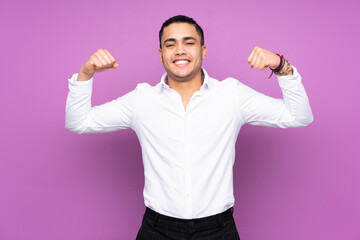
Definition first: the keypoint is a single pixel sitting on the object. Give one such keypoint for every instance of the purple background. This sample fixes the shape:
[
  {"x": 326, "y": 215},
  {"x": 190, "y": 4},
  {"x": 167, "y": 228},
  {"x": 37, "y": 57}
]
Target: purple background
[{"x": 289, "y": 183}]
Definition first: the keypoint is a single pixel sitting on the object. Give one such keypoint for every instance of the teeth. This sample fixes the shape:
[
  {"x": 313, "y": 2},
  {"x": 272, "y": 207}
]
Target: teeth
[{"x": 181, "y": 62}]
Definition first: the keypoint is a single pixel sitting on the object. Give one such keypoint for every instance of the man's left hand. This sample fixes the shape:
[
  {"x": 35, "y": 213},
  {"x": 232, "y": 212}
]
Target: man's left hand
[{"x": 261, "y": 59}]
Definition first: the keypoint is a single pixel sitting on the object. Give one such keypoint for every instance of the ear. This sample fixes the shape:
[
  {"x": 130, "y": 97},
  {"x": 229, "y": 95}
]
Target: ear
[
  {"x": 203, "y": 47},
  {"x": 160, "y": 54}
]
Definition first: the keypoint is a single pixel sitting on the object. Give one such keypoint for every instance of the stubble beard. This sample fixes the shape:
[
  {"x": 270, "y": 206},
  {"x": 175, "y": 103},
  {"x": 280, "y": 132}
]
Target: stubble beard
[{"x": 185, "y": 78}]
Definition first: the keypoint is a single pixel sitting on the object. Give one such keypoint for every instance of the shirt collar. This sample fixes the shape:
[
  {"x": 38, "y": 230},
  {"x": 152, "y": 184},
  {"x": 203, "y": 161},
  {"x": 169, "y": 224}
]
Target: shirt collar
[{"x": 206, "y": 84}]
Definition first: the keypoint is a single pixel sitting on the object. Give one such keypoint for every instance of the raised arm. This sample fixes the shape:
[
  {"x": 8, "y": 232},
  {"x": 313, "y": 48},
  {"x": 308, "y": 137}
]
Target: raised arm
[
  {"x": 81, "y": 117},
  {"x": 258, "y": 109}
]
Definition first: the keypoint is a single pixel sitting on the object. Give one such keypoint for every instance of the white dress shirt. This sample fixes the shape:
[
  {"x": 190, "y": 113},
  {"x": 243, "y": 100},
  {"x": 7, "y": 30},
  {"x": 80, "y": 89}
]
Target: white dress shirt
[{"x": 188, "y": 155}]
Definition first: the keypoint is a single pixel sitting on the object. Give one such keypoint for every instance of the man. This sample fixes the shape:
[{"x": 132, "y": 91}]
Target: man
[{"x": 187, "y": 126}]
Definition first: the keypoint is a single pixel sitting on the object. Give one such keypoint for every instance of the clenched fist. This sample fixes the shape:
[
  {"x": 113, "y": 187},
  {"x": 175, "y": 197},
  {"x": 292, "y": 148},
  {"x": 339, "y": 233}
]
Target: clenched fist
[
  {"x": 98, "y": 62},
  {"x": 261, "y": 59}
]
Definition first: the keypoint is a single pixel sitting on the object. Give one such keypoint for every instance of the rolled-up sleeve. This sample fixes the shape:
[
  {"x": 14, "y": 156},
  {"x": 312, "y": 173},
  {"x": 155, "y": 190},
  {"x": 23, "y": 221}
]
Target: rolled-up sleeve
[
  {"x": 81, "y": 117},
  {"x": 292, "y": 111}
]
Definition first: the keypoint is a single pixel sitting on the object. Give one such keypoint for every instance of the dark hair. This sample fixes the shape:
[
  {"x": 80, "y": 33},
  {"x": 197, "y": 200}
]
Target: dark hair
[{"x": 182, "y": 19}]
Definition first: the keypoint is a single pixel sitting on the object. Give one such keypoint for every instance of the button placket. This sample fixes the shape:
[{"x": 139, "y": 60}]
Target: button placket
[{"x": 188, "y": 197}]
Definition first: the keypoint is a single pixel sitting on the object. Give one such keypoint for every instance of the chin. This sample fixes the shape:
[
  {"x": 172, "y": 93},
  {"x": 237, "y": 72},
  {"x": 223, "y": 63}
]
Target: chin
[
  {"x": 184, "y": 73},
  {"x": 180, "y": 76}
]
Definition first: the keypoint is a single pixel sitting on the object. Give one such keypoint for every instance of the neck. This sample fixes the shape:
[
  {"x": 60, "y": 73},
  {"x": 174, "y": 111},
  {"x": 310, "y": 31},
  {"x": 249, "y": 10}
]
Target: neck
[{"x": 187, "y": 86}]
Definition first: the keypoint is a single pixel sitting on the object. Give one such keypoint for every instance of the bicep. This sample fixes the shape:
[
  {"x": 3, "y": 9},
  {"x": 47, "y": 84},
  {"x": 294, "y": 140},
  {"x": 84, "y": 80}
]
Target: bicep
[
  {"x": 262, "y": 110},
  {"x": 259, "y": 109},
  {"x": 111, "y": 116},
  {"x": 114, "y": 115}
]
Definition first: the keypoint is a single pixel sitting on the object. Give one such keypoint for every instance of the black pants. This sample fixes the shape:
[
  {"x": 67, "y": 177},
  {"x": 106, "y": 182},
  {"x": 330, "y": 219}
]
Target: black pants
[{"x": 156, "y": 226}]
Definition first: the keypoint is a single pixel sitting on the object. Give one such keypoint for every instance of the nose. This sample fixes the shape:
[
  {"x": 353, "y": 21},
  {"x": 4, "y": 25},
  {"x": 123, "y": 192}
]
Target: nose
[{"x": 180, "y": 50}]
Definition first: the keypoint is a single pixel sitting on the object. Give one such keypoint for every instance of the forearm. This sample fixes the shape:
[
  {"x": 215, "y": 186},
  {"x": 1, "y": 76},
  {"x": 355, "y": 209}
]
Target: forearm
[
  {"x": 295, "y": 98},
  {"x": 78, "y": 105},
  {"x": 83, "y": 76}
]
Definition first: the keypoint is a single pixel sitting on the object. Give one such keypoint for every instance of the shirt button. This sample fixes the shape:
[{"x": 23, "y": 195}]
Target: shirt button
[{"x": 187, "y": 195}]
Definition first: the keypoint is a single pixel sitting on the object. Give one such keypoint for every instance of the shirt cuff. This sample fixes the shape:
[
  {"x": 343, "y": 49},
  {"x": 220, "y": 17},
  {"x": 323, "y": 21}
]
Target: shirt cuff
[
  {"x": 80, "y": 86},
  {"x": 290, "y": 81}
]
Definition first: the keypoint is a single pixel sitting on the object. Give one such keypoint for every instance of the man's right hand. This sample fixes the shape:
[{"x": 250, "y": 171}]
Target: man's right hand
[{"x": 98, "y": 62}]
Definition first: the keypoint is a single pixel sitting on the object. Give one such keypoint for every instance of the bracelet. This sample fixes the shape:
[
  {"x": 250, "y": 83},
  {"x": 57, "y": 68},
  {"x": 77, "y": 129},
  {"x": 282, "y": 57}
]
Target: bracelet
[
  {"x": 287, "y": 70},
  {"x": 278, "y": 68},
  {"x": 281, "y": 65}
]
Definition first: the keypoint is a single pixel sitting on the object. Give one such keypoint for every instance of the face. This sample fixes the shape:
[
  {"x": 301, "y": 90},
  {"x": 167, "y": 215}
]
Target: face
[{"x": 181, "y": 52}]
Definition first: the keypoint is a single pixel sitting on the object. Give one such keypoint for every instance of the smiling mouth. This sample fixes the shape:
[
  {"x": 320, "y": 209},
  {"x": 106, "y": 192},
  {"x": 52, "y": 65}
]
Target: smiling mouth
[{"x": 181, "y": 62}]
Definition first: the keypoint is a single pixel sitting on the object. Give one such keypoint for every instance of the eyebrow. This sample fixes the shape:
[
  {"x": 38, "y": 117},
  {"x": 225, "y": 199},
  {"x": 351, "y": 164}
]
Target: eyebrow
[{"x": 174, "y": 40}]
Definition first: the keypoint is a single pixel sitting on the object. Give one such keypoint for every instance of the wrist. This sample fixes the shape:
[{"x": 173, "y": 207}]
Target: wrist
[
  {"x": 84, "y": 76},
  {"x": 286, "y": 70},
  {"x": 283, "y": 69},
  {"x": 278, "y": 64}
]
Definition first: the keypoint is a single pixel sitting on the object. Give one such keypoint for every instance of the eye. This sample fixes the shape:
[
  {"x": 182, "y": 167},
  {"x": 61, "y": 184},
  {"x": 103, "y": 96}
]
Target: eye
[
  {"x": 170, "y": 45},
  {"x": 190, "y": 43}
]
